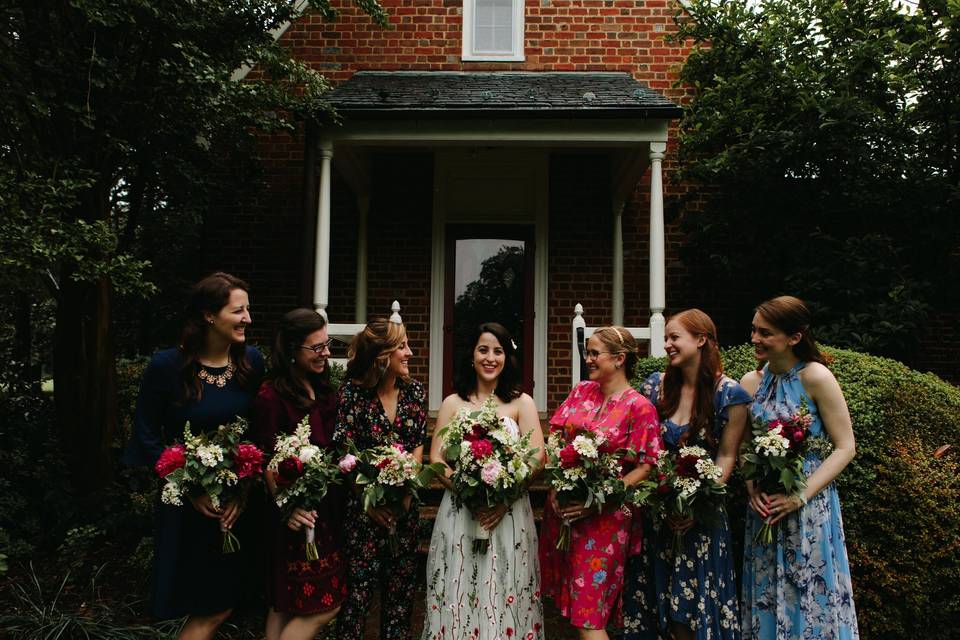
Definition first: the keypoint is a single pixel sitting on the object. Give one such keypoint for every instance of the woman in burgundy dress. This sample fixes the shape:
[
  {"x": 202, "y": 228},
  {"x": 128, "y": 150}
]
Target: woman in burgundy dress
[{"x": 304, "y": 595}]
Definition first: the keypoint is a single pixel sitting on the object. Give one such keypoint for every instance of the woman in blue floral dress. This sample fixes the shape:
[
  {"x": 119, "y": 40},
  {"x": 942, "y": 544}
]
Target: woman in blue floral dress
[
  {"x": 799, "y": 585},
  {"x": 692, "y": 593},
  {"x": 379, "y": 404}
]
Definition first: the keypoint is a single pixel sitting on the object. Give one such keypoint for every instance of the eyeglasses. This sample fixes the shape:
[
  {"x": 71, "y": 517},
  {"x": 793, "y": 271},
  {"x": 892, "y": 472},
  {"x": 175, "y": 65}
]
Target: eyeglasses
[
  {"x": 318, "y": 348},
  {"x": 592, "y": 354}
]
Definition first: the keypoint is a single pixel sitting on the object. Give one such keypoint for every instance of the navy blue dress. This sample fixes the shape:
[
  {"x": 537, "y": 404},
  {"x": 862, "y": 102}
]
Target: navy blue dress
[
  {"x": 697, "y": 588},
  {"x": 191, "y": 574}
]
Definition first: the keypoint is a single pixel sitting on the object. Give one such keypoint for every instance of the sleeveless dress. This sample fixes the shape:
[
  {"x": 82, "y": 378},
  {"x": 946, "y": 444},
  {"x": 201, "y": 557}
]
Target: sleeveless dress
[
  {"x": 696, "y": 588},
  {"x": 488, "y": 596},
  {"x": 799, "y": 585}
]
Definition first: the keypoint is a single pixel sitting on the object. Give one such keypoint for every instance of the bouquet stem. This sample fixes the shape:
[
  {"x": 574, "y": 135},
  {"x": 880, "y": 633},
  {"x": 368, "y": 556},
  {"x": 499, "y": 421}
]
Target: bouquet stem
[
  {"x": 393, "y": 540},
  {"x": 230, "y": 542},
  {"x": 563, "y": 540},
  {"x": 764, "y": 534},
  {"x": 481, "y": 538},
  {"x": 311, "y": 543}
]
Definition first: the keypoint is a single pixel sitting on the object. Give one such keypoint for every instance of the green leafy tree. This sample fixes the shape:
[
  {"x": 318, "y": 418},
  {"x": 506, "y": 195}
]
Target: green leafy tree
[
  {"x": 117, "y": 113},
  {"x": 822, "y": 143}
]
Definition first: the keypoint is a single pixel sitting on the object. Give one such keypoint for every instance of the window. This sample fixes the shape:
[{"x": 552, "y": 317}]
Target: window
[{"x": 493, "y": 30}]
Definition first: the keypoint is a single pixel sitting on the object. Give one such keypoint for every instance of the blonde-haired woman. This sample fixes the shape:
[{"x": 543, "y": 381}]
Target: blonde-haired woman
[
  {"x": 585, "y": 581},
  {"x": 379, "y": 404}
]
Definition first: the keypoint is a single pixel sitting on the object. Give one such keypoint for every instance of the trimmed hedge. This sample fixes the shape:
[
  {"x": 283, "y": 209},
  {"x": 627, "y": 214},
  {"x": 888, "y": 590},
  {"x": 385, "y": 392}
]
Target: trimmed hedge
[{"x": 901, "y": 505}]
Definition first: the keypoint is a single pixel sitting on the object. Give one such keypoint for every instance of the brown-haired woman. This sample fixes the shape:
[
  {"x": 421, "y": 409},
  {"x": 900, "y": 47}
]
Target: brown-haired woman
[
  {"x": 304, "y": 595},
  {"x": 586, "y": 581},
  {"x": 799, "y": 585},
  {"x": 692, "y": 593},
  {"x": 209, "y": 380},
  {"x": 379, "y": 404}
]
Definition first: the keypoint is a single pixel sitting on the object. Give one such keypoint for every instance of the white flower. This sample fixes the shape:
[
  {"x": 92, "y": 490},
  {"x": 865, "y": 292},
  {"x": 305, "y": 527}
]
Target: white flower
[
  {"x": 171, "y": 494},
  {"x": 210, "y": 455},
  {"x": 585, "y": 447},
  {"x": 771, "y": 444},
  {"x": 307, "y": 453}
]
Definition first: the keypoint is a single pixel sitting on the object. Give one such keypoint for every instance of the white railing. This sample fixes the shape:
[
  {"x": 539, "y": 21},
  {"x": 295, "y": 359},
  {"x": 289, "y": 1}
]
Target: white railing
[
  {"x": 344, "y": 331},
  {"x": 581, "y": 333}
]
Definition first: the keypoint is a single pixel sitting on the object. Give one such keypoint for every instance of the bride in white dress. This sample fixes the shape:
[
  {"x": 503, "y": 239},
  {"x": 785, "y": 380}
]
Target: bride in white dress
[{"x": 495, "y": 595}]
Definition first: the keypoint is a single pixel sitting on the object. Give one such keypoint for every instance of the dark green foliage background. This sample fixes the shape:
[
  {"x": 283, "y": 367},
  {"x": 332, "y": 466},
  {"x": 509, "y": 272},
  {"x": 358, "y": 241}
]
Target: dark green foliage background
[{"x": 901, "y": 506}]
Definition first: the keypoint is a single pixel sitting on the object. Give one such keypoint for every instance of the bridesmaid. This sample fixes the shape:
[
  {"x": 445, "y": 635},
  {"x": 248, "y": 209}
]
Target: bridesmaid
[
  {"x": 799, "y": 585},
  {"x": 586, "y": 581},
  {"x": 304, "y": 595},
  {"x": 379, "y": 404},
  {"x": 693, "y": 593},
  {"x": 209, "y": 380}
]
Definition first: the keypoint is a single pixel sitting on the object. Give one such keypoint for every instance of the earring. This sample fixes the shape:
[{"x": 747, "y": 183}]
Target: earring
[
  {"x": 209, "y": 321},
  {"x": 293, "y": 360}
]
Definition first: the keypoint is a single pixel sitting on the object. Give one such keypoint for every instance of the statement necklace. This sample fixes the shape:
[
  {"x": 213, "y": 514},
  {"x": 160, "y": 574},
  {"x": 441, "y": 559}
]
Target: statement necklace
[{"x": 219, "y": 379}]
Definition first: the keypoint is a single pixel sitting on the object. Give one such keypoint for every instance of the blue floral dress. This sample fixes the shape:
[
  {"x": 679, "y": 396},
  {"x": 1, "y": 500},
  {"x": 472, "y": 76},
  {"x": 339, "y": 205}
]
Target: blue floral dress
[
  {"x": 697, "y": 588},
  {"x": 798, "y": 586}
]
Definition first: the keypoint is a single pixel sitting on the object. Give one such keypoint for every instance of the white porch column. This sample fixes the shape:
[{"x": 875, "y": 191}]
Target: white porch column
[
  {"x": 617, "y": 301},
  {"x": 321, "y": 267},
  {"x": 657, "y": 257},
  {"x": 363, "y": 207}
]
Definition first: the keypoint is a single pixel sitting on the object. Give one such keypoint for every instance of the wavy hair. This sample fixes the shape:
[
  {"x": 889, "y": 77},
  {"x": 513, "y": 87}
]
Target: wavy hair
[
  {"x": 370, "y": 350},
  {"x": 295, "y": 326},
  {"x": 509, "y": 381},
  {"x": 210, "y": 295},
  {"x": 791, "y": 315},
  {"x": 696, "y": 323}
]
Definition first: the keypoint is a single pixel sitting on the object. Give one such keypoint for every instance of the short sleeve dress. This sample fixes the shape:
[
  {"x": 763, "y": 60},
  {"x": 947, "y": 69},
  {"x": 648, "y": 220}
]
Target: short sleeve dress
[
  {"x": 696, "y": 588},
  {"x": 296, "y": 585},
  {"x": 191, "y": 574},
  {"x": 586, "y": 580}
]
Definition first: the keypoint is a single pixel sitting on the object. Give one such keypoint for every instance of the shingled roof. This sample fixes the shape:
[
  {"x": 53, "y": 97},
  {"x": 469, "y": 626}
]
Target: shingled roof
[{"x": 442, "y": 94}]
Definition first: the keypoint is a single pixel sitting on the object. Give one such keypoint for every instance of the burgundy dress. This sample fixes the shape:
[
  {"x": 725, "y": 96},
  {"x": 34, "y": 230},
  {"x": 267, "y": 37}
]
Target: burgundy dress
[{"x": 296, "y": 585}]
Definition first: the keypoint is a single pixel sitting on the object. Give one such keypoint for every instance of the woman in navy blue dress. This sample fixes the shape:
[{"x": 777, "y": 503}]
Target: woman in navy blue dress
[
  {"x": 209, "y": 380},
  {"x": 693, "y": 593}
]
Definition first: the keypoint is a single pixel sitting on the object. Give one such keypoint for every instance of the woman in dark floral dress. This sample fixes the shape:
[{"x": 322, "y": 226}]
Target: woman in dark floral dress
[
  {"x": 304, "y": 595},
  {"x": 378, "y": 405}
]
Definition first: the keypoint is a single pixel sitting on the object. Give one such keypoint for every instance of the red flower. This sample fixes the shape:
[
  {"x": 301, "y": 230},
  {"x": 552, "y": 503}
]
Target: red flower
[
  {"x": 509, "y": 632},
  {"x": 477, "y": 432},
  {"x": 481, "y": 448},
  {"x": 288, "y": 471},
  {"x": 170, "y": 460},
  {"x": 569, "y": 457},
  {"x": 248, "y": 460},
  {"x": 774, "y": 424},
  {"x": 687, "y": 466}
]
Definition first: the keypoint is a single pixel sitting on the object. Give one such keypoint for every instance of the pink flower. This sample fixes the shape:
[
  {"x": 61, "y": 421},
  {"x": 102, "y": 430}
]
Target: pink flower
[
  {"x": 481, "y": 448},
  {"x": 347, "y": 463},
  {"x": 491, "y": 471},
  {"x": 170, "y": 460},
  {"x": 248, "y": 460}
]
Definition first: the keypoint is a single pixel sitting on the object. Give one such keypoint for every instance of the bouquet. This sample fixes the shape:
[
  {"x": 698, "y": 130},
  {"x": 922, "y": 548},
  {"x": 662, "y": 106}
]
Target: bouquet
[
  {"x": 581, "y": 469},
  {"x": 491, "y": 462},
  {"x": 218, "y": 464},
  {"x": 303, "y": 473},
  {"x": 387, "y": 474},
  {"x": 687, "y": 482},
  {"x": 773, "y": 458}
]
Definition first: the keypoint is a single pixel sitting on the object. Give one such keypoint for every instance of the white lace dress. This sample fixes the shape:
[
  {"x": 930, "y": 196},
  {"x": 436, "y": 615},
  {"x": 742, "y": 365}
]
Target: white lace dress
[{"x": 490, "y": 596}]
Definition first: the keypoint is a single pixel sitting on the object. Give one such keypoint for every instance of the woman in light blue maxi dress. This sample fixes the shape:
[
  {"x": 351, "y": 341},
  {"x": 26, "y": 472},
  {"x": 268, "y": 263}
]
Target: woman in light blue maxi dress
[{"x": 799, "y": 585}]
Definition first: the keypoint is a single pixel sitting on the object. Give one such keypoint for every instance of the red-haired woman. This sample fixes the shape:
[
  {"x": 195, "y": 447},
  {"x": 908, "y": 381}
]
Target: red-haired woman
[
  {"x": 692, "y": 593},
  {"x": 209, "y": 380}
]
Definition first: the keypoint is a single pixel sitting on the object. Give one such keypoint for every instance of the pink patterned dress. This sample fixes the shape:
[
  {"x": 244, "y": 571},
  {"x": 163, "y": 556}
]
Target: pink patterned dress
[{"x": 585, "y": 582}]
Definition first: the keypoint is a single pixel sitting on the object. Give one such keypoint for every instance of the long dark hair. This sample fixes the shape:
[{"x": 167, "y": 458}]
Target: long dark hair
[
  {"x": 370, "y": 351},
  {"x": 210, "y": 295},
  {"x": 295, "y": 326},
  {"x": 697, "y": 323},
  {"x": 508, "y": 383},
  {"x": 791, "y": 315}
]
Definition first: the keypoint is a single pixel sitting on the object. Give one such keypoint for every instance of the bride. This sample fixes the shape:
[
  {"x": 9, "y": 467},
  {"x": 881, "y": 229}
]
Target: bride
[{"x": 496, "y": 594}]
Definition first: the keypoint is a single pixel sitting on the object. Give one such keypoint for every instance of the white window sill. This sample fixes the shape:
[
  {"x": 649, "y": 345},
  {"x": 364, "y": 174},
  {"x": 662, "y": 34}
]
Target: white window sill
[{"x": 493, "y": 58}]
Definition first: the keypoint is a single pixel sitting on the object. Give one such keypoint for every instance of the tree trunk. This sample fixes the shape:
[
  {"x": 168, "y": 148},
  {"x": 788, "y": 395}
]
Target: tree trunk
[{"x": 84, "y": 374}]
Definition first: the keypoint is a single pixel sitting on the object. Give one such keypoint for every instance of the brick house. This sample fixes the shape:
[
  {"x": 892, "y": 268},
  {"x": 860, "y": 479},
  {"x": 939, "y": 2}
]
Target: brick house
[{"x": 518, "y": 145}]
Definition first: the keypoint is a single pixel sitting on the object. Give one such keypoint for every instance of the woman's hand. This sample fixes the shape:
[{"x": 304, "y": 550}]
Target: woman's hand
[
  {"x": 490, "y": 517},
  {"x": 678, "y": 524},
  {"x": 204, "y": 505},
  {"x": 301, "y": 518},
  {"x": 575, "y": 511},
  {"x": 758, "y": 501},
  {"x": 780, "y": 505},
  {"x": 382, "y": 516},
  {"x": 230, "y": 514}
]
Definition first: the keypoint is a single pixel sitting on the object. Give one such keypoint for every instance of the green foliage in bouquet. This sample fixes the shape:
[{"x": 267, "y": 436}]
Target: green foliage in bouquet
[{"x": 900, "y": 501}]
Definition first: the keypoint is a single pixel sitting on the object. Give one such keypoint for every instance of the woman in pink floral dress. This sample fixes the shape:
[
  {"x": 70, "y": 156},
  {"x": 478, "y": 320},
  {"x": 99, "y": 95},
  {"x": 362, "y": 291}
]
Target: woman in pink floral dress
[{"x": 586, "y": 580}]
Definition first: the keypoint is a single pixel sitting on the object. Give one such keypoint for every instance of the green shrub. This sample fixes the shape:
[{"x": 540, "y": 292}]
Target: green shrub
[{"x": 901, "y": 505}]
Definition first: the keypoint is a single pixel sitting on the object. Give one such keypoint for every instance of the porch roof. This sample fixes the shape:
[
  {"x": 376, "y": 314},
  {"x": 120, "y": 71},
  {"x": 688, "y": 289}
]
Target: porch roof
[{"x": 449, "y": 94}]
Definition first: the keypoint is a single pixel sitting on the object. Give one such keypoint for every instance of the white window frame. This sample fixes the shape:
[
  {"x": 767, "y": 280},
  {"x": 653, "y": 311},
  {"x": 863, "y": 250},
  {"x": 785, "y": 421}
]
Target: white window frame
[{"x": 517, "y": 51}]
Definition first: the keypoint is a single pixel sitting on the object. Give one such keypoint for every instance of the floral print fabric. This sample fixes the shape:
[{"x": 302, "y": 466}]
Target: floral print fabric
[
  {"x": 799, "y": 586},
  {"x": 371, "y": 565},
  {"x": 586, "y": 581},
  {"x": 696, "y": 588}
]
